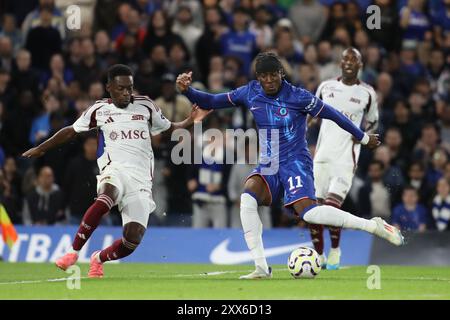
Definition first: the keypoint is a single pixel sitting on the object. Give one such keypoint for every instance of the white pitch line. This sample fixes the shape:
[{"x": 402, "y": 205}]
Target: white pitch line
[
  {"x": 217, "y": 273},
  {"x": 41, "y": 281}
]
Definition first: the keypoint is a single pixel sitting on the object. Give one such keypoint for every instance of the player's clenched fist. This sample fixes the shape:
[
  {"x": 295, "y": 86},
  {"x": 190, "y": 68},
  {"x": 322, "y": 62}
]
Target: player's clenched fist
[
  {"x": 183, "y": 82},
  {"x": 374, "y": 141}
]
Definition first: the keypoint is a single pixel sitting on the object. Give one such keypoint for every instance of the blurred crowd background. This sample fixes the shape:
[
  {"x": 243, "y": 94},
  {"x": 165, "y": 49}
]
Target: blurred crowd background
[{"x": 49, "y": 74}]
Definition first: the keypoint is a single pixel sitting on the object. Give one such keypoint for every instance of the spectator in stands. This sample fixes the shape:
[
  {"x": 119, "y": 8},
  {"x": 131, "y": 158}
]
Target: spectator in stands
[
  {"x": 132, "y": 28},
  {"x": 80, "y": 182},
  {"x": 372, "y": 65},
  {"x": 394, "y": 141},
  {"x": 88, "y": 70},
  {"x": 336, "y": 19},
  {"x": 207, "y": 183},
  {"x": 159, "y": 32},
  {"x": 239, "y": 41},
  {"x": 441, "y": 24},
  {"x": 385, "y": 92},
  {"x": 6, "y": 54},
  {"x": 45, "y": 204},
  {"x": 34, "y": 18},
  {"x": 174, "y": 106},
  {"x": 437, "y": 166},
  {"x": 129, "y": 52},
  {"x": 23, "y": 76},
  {"x": 43, "y": 41},
  {"x": 58, "y": 71},
  {"x": 6, "y": 93},
  {"x": 402, "y": 120},
  {"x": 106, "y": 15},
  {"x": 441, "y": 205},
  {"x": 437, "y": 71},
  {"x": 329, "y": 60},
  {"x": 261, "y": 29},
  {"x": 409, "y": 215},
  {"x": 388, "y": 33},
  {"x": 393, "y": 176},
  {"x": 10, "y": 30},
  {"x": 414, "y": 22},
  {"x": 374, "y": 198},
  {"x": 416, "y": 179},
  {"x": 179, "y": 59},
  {"x": 184, "y": 27},
  {"x": 10, "y": 198},
  {"x": 40, "y": 128},
  {"x": 103, "y": 50},
  {"x": 286, "y": 48},
  {"x": 428, "y": 142},
  {"x": 309, "y": 18},
  {"x": 16, "y": 137},
  {"x": 208, "y": 45},
  {"x": 96, "y": 91}
]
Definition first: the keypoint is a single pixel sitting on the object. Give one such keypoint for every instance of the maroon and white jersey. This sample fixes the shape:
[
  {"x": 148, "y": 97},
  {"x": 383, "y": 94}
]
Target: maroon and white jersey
[
  {"x": 357, "y": 102},
  {"x": 124, "y": 134}
]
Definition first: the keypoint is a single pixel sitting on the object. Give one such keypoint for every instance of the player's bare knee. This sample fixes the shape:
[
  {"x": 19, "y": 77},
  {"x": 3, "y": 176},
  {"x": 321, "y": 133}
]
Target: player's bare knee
[
  {"x": 303, "y": 206},
  {"x": 256, "y": 186},
  {"x": 133, "y": 233},
  {"x": 109, "y": 190}
]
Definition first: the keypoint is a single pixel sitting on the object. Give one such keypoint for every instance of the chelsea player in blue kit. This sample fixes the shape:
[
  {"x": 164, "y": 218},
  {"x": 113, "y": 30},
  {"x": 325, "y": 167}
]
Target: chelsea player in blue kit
[{"x": 280, "y": 110}]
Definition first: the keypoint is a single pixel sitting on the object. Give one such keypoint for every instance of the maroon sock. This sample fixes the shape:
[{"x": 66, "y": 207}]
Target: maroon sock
[
  {"x": 119, "y": 249},
  {"x": 335, "y": 235},
  {"x": 91, "y": 220},
  {"x": 316, "y": 231},
  {"x": 335, "y": 232}
]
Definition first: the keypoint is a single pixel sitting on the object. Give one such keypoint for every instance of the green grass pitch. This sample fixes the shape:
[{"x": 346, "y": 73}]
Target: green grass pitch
[{"x": 196, "y": 281}]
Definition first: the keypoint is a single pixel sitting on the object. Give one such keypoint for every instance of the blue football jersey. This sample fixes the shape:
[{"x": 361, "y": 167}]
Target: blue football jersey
[{"x": 285, "y": 113}]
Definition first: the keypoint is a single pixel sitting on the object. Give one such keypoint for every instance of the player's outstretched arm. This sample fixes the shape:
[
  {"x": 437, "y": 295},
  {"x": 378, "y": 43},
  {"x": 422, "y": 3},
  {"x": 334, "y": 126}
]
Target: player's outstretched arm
[
  {"x": 206, "y": 100},
  {"x": 370, "y": 140},
  {"x": 61, "y": 137},
  {"x": 197, "y": 115}
]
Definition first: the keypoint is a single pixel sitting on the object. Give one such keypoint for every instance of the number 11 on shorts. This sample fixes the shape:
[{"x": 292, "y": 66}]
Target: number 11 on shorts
[{"x": 291, "y": 183}]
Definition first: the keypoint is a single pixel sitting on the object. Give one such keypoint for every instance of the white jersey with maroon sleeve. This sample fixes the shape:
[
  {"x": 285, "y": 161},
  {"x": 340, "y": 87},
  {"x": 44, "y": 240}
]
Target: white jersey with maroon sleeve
[
  {"x": 124, "y": 134},
  {"x": 357, "y": 102}
]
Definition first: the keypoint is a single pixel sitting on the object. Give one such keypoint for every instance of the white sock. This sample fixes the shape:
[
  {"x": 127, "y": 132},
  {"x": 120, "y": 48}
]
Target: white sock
[
  {"x": 253, "y": 228},
  {"x": 331, "y": 216},
  {"x": 72, "y": 250}
]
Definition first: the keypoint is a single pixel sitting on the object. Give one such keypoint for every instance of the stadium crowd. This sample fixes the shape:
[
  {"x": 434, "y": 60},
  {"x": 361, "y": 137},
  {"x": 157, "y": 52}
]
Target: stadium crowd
[{"x": 50, "y": 74}]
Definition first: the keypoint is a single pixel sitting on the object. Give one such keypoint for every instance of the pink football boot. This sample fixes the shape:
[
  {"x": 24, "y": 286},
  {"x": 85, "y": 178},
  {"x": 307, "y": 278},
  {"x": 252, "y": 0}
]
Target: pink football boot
[
  {"x": 69, "y": 259},
  {"x": 95, "y": 268}
]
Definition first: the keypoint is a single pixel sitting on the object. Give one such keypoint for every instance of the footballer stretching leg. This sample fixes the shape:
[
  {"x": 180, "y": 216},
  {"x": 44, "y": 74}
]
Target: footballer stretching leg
[{"x": 124, "y": 124}]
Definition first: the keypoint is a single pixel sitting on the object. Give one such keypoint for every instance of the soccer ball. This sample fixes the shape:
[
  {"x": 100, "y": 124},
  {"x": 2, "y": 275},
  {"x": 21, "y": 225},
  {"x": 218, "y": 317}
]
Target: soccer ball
[{"x": 304, "y": 262}]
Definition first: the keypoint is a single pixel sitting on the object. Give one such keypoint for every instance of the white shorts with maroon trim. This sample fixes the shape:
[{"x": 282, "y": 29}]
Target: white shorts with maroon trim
[
  {"x": 330, "y": 178},
  {"x": 135, "y": 200}
]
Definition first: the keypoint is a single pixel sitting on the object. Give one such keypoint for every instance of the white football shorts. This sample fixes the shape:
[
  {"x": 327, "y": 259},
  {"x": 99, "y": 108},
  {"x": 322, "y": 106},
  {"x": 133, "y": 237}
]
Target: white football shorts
[
  {"x": 330, "y": 178},
  {"x": 135, "y": 200}
]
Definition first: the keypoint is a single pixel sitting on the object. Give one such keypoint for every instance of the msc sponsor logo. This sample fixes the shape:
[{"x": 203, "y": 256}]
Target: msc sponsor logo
[
  {"x": 129, "y": 135},
  {"x": 137, "y": 117},
  {"x": 134, "y": 134},
  {"x": 349, "y": 115}
]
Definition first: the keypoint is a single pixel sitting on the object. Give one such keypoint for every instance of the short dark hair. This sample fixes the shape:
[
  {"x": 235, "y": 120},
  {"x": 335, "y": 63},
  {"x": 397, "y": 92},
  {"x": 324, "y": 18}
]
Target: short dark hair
[
  {"x": 267, "y": 62},
  {"x": 118, "y": 70},
  {"x": 378, "y": 163},
  {"x": 409, "y": 188}
]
